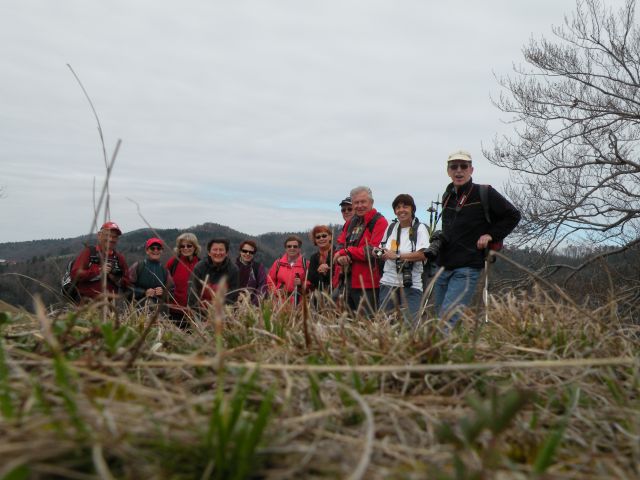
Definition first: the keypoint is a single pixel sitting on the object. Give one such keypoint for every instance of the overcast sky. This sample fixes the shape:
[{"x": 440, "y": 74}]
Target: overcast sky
[{"x": 260, "y": 115}]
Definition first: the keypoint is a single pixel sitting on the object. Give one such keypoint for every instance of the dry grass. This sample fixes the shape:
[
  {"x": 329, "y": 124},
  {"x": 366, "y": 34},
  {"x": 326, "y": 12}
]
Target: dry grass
[{"x": 542, "y": 390}]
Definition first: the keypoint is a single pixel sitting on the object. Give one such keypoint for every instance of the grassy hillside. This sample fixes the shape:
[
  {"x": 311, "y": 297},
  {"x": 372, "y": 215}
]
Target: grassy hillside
[{"x": 545, "y": 389}]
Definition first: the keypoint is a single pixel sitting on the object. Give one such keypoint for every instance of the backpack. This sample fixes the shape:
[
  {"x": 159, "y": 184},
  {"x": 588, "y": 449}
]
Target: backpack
[
  {"x": 484, "y": 199},
  {"x": 67, "y": 284}
]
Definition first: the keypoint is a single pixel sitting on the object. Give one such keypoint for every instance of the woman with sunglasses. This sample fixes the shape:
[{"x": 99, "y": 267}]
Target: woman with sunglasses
[
  {"x": 187, "y": 252},
  {"x": 320, "y": 263},
  {"x": 288, "y": 275},
  {"x": 150, "y": 281},
  {"x": 253, "y": 278}
]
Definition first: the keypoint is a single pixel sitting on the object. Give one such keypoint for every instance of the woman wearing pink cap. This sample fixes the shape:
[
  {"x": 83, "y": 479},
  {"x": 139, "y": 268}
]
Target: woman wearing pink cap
[{"x": 150, "y": 280}]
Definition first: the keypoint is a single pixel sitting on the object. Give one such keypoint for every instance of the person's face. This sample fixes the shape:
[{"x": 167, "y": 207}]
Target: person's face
[
  {"x": 322, "y": 239},
  {"x": 292, "y": 248},
  {"x": 347, "y": 212},
  {"x": 107, "y": 239},
  {"x": 154, "y": 252},
  {"x": 218, "y": 252},
  {"x": 247, "y": 252},
  {"x": 186, "y": 248},
  {"x": 459, "y": 172},
  {"x": 403, "y": 212},
  {"x": 361, "y": 203}
]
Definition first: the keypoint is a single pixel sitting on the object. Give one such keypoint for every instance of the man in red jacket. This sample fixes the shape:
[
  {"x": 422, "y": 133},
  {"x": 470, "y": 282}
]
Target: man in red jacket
[
  {"x": 87, "y": 270},
  {"x": 363, "y": 232}
]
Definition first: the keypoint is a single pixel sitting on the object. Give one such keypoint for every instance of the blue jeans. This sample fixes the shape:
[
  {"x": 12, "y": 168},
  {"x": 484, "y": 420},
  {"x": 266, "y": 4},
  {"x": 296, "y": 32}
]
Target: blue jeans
[
  {"x": 407, "y": 299},
  {"x": 454, "y": 289}
]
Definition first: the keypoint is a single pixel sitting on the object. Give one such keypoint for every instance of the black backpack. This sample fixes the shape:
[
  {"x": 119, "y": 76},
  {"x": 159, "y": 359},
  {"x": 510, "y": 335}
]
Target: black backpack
[{"x": 67, "y": 284}]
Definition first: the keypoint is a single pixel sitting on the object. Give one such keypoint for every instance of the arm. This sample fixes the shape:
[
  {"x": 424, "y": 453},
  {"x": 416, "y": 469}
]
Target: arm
[
  {"x": 233, "y": 280},
  {"x": 504, "y": 216},
  {"x": 132, "y": 280},
  {"x": 272, "y": 281},
  {"x": 261, "y": 286},
  {"x": 195, "y": 286},
  {"x": 81, "y": 271}
]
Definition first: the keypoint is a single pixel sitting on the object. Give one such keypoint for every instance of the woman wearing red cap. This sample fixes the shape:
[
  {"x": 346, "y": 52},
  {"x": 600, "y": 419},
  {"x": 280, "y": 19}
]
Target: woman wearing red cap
[{"x": 150, "y": 280}]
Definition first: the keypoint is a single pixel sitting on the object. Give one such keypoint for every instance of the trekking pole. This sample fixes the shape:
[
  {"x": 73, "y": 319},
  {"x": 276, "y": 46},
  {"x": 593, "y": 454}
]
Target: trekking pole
[
  {"x": 295, "y": 289},
  {"x": 485, "y": 290}
]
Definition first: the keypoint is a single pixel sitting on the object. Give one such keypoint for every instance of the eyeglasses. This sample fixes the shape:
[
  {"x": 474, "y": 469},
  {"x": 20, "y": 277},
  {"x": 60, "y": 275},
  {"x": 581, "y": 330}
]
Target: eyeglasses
[
  {"x": 456, "y": 166},
  {"x": 155, "y": 248},
  {"x": 188, "y": 245},
  {"x": 292, "y": 246},
  {"x": 248, "y": 252},
  {"x": 346, "y": 209},
  {"x": 322, "y": 235}
]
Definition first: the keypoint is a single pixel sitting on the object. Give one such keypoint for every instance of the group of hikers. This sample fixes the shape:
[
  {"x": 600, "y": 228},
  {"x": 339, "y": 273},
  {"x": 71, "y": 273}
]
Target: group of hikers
[{"x": 371, "y": 264}]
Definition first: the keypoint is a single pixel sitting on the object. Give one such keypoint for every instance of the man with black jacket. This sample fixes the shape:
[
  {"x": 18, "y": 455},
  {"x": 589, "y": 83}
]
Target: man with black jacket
[{"x": 468, "y": 231}]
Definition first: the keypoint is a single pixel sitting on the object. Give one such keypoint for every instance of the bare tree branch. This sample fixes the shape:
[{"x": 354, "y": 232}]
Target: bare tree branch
[{"x": 574, "y": 149}]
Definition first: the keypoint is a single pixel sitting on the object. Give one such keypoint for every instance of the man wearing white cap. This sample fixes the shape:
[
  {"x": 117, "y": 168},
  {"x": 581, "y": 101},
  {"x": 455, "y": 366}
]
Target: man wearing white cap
[
  {"x": 86, "y": 272},
  {"x": 473, "y": 217}
]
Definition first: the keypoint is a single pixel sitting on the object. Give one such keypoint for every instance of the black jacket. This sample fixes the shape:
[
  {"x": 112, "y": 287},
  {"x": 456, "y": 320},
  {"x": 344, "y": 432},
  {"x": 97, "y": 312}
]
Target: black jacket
[
  {"x": 464, "y": 222},
  {"x": 319, "y": 281},
  {"x": 213, "y": 274}
]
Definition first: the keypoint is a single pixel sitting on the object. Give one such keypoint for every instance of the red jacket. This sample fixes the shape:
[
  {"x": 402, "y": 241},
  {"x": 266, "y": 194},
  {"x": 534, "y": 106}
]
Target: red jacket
[
  {"x": 282, "y": 274},
  {"x": 86, "y": 272},
  {"x": 364, "y": 273},
  {"x": 181, "y": 273}
]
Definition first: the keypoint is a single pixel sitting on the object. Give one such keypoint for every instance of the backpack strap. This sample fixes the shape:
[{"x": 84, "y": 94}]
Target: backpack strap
[
  {"x": 372, "y": 222},
  {"x": 484, "y": 199},
  {"x": 173, "y": 266},
  {"x": 388, "y": 234}
]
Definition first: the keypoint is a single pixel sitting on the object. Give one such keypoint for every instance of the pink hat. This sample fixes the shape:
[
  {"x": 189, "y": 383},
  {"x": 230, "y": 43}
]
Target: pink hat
[
  {"x": 111, "y": 226},
  {"x": 153, "y": 241}
]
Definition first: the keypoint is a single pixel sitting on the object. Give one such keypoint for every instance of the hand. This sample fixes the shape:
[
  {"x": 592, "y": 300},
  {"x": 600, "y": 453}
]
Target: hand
[
  {"x": 297, "y": 281},
  {"x": 324, "y": 268},
  {"x": 150, "y": 292},
  {"x": 159, "y": 291},
  {"x": 344, "y": 260},
  {"x": 483, "y": 241},
  {"x": 389, "y": 255},
  {"x": 107, "y": 267}
]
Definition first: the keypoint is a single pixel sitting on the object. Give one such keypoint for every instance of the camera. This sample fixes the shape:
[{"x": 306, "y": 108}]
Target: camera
[
  {"x": 407, "y": 277},
  {"x": 115, "y": 266},
  {"x": 436, "y": 242},
  {"x": 377, "y": 252}
]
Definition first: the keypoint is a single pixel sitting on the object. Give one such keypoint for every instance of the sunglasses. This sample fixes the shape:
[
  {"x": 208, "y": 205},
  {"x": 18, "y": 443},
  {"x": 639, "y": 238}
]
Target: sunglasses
[
  {"x": 248, "y": 252},
  {"x": 346, "y": 209},
  {"x": 458, "y": 166},
  {"x": 292, "y": 246},
  {"x": 322, "y": 235},
  {"x": 155, "y": 248},
  {"x": 188, "y": 245}
]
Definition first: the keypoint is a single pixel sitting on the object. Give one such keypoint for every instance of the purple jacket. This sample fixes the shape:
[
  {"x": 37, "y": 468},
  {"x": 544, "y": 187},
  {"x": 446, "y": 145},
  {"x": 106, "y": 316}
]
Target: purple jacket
[{"x": 253, "y": 278}]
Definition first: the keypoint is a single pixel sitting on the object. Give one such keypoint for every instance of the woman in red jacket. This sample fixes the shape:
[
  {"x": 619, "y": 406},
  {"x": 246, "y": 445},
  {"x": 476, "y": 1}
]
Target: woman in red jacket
[
  {"x": 288, "y": 275},
  {"x": 187, "y": 252}
]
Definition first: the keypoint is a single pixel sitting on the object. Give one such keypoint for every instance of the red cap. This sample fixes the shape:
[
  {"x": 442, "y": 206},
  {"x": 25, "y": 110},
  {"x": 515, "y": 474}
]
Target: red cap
[
  {"x": 153, "y": 241},
  {"x": 111, "y": 226}
]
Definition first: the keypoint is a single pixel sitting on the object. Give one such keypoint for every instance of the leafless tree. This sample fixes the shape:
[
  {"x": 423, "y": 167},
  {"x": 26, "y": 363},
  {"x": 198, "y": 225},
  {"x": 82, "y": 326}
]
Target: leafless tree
[{"x": 574, "y": 151}]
